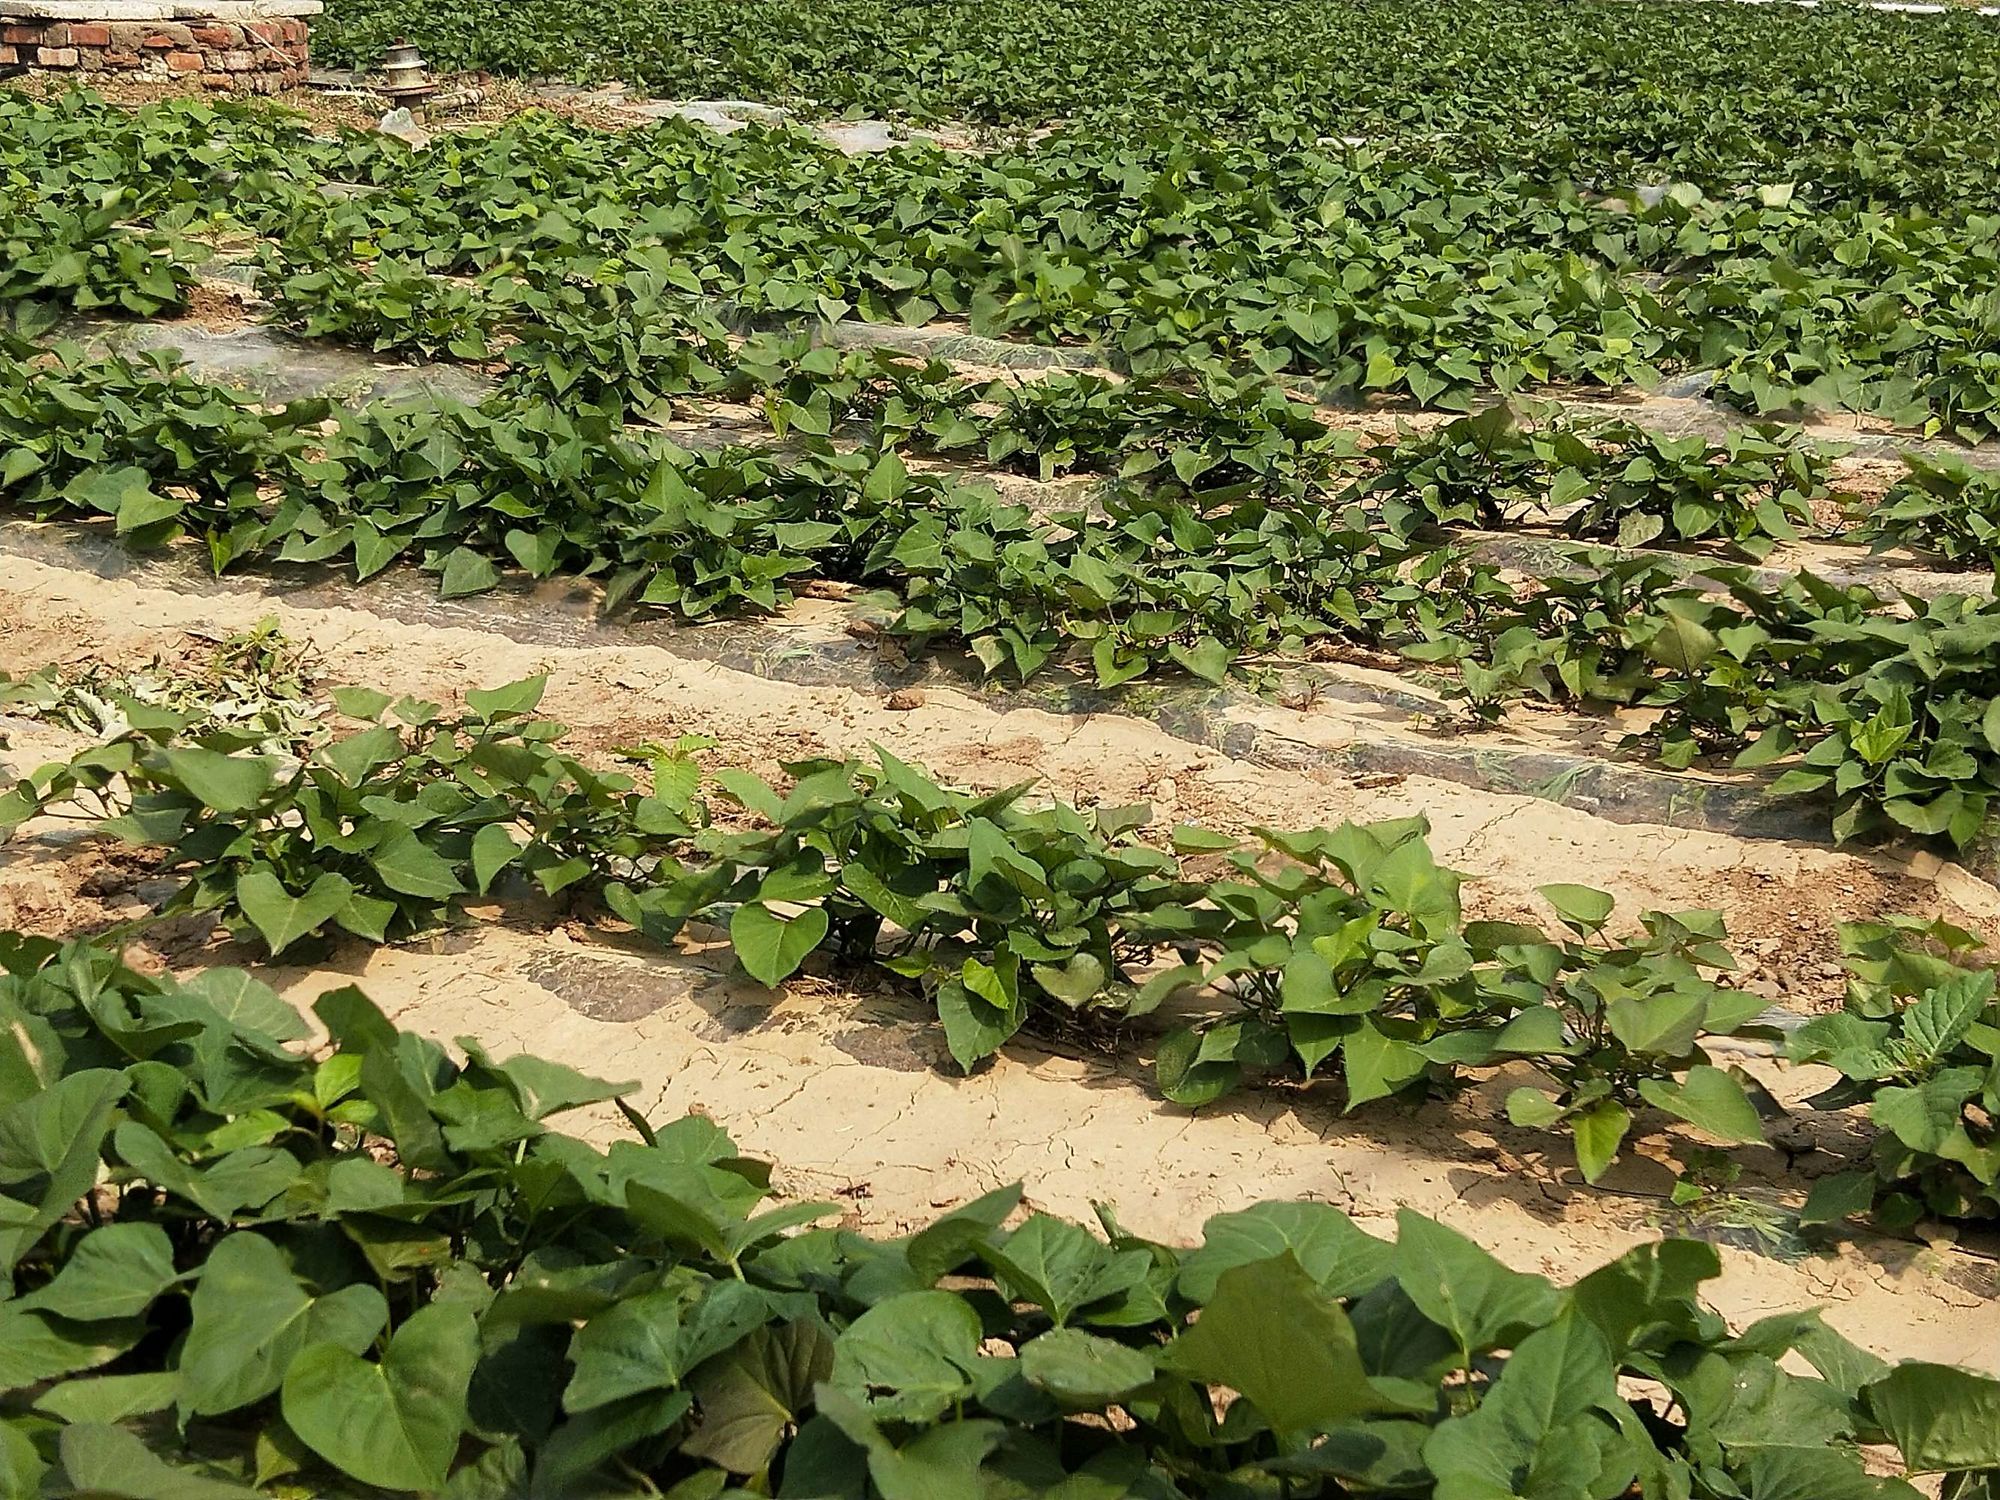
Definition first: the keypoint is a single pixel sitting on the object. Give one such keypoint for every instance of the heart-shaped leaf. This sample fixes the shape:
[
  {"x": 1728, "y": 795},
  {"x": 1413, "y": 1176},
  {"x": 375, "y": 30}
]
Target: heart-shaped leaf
[
  {"x": 396, "y": 1424},
  {"x": 772, "y": 947},
  {"x": 281, "y": 918}
]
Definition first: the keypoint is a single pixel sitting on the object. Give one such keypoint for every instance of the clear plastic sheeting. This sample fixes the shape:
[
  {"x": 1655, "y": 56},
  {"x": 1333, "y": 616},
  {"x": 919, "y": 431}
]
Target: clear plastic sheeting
[
  {"x": 1844, "y": 567},
  {"x": 275, "y": 367}
]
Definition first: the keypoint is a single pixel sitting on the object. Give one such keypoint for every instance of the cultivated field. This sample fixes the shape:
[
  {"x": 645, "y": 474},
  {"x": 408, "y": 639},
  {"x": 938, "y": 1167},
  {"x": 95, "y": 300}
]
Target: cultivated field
[{"x": 1052, "y": 749}]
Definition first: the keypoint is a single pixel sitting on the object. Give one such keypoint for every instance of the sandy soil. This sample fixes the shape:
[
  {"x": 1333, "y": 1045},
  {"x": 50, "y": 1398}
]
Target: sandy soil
[{"x": 849, "y": 1089}]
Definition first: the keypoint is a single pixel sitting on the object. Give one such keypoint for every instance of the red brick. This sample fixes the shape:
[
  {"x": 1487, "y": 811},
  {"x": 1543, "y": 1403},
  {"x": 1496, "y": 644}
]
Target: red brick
[
  {"x": 90, "y": 36},
  {"x": 158, "y": 43},
  {"x": 184, "y": 62},
  {"x": 7, "y": 54},
  {"x": 217, "y": 36},
  {"x": 117, "y": 59},
  {"x": 21, "y": 36}
]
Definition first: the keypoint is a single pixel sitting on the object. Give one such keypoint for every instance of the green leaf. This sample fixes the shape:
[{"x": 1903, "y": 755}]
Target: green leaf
[
  {"x": 357, "y": 756},
  {"x": 771, "y": 947},
  {"x": 396, "y": 1424},
  {"x": 1082, "y": 1370},
  {"x": 466, "y": 572},
  {"x": 752, "y": 793},
  {"x": 1682, "y": 643},
  {"x": 1945, "y": 1015},
  {"x": 946, "y": 1244},
  {"x": 1465, "y": 1291},
  {"x": 51, "y": 1145},
  {"x": 1581, "y": 907},
  {"x": 1943, "y": 1419},
  {"x": 1931, "y": 1116},
  {"x": 360, "y": 702},
  {"x": 1662, "y": 1025},
  {"x": 1600, "y": 1130},
  {"x": 247, "y": 1003},
  {"x": 35, "y": 1347},
  {"x": 1532, "y": 1108},
  {"x": 510, "y": 701},
  {"x": 1838, "y": 1196},
  {"x": 112, "y": 1272},
  {"x": 542, "y": 1088},
  {"x": 909, "y": 1357},
  {"x": 411, "y": 868},
  {"x": 1342, "y": 1259},
  {"x": 226, "y": 783},
  {"x": 1537, "y": 1433},
  {"x": 980, "y": 1010},
  {"x": 1710, "y": 1100},
  {"x": 1797, "y": 1473},
  {"x": 1377, "y": 1065},
  {"x": 108, "y": 1463},
  {"x": 752, "y": 1395},
  {"x": 941, "y": 1463},
  {"x": 281, "y": 918},
  {"x": 110, "y": 1398},
  {"x": 493, "y": 849},
  {"x": 630, "y": 1347},
  {"x": 251, "y": 1319},
  {"x": 1063, "y": 1268},
  {"x": 593, "y": 1438},
  {"x": 1207, "y": 659},
  {"x": 1271, "y": 1334}
]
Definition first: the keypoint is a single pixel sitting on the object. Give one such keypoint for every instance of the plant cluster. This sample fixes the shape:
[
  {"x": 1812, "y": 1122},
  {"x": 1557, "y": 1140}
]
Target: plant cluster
[
  {"x": 85, "y": 258},
  {"x": 1917, "y": 1043},
  {"x": 254, "y": 687},
  {"x": 1943, "y": 509},
  {"x": 1612, "y": 480},
  {"x": 1341, "y": 949},
  {"x": 377, "y": 1266}
]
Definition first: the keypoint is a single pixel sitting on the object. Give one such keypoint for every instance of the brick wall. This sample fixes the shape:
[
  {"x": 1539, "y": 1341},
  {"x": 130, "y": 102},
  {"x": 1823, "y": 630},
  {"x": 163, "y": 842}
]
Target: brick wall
[{"x": 254, "y": 57}]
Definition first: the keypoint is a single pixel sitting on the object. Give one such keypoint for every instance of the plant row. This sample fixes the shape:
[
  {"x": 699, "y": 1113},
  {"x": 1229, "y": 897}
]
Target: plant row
[
  {"x": 1845, "y": 103},
  {"x": 239, "y": 1264},
  {"x": 1327, "y": 950},
  {"x": 1878, "y": 707},
  {"x": 1358, "y": 268}
]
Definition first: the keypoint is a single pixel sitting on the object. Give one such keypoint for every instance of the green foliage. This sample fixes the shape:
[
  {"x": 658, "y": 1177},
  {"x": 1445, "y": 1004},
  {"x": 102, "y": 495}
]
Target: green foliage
[
  {"x": 376, "y": 1265},
  {"x": 1609, "y": 480},
  {"x": 380, "y": 833},
  {"x": 1330, "y": 949},
  {"x": 1875, "y": 706},
  {"x": 1943, "y": 508},
  {"x": 1845, "y": 103},
  {"x": 1917, "y": 1043},
  {"x": 1426, "y": 263},
  {"x": 87, "y": 258}
]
